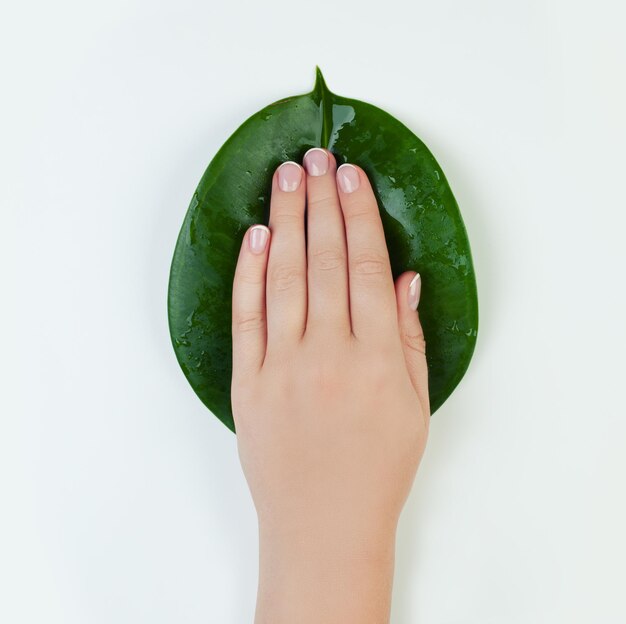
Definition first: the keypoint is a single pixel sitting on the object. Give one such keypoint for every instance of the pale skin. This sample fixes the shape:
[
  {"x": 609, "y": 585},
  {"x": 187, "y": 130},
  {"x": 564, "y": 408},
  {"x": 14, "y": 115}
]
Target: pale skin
[{"x": 329, "y": 395}]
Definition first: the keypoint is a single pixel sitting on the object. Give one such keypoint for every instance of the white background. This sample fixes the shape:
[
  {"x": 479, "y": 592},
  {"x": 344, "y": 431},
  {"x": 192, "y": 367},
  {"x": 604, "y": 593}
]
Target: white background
[{"x": 122, "y": 499}]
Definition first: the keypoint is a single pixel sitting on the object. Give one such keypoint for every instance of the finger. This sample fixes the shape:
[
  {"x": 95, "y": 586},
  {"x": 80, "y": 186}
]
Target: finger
[
  {"x": 286, "y": 272},
  {"x": 327, "y": 269},
  {"x": 408, "y": 290},
  {"x": 372, "y": 297},
  {"x": 249, "y": 322}
]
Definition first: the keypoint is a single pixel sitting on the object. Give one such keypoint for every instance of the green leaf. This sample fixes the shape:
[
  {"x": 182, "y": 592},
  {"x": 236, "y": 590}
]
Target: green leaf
[{"x": 422, "y": 222}]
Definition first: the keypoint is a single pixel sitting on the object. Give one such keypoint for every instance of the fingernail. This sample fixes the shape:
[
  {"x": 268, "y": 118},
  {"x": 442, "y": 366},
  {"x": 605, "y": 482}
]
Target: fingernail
[
  {"x": 415, "y": 288},
  {"x": 257, "y": 238},
  {"x": 289, "y": 176},
  {"x": 316, "y": 161},
  {"x": 348, "y": 178}
]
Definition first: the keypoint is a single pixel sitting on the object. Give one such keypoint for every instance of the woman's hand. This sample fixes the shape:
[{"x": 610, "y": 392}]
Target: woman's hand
[{"x": 329, "y": 395}]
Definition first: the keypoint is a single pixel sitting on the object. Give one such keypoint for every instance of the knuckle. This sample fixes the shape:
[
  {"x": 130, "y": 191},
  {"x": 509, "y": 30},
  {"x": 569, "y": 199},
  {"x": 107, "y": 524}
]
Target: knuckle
[
  {"x": 328, "y": 259},
  {"x": 378, "y": 374},
  {"x": 287, "y": 217},
  {"x": 326, "y": 378},
  {"x": 359, "y": 210},
  {"x": 357, "y": 215},
  {"x": 415, "y": 341},
  {"x": 321, "y": 203},
  {"x": 285, "y": 277},
  {"x": 251, "y": 321},
  {"x": 369, "y": 263},
  {"x": 252, "y": 277}
]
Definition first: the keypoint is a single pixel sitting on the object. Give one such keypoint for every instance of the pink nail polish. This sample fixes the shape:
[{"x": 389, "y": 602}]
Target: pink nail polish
[
  {"x": 316, "y": 161},
  {"x": 415, "y": 288},
  {"x": 348, "y": 178},
  {"x": 289, "y": 176},
  {"x": 257, "y": 238}
]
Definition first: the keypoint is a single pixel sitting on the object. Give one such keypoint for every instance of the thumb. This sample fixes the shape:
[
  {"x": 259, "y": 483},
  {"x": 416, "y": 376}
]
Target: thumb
[{"x": 408, "y": 288}]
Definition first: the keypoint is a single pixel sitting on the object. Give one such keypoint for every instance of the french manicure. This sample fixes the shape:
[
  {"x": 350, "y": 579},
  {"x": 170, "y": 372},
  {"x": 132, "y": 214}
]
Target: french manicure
[
  {"x": 415, "y": 288},
  {"x": 316, "y": 161},
  {"x": 289, "y": 176},
  {"x": 257, "y": 238},
  {"x": 348, "y": 178}
]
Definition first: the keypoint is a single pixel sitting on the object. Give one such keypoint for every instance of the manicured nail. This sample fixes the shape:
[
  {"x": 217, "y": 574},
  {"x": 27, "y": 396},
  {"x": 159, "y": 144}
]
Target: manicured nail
[
  {"x": 348, "y": 178},
  {"x": 257, "y": 238},
  {"x": 415, "y": 288},
  {"x": 316, "y": 161},
  {"x": 289, "y": 176}
]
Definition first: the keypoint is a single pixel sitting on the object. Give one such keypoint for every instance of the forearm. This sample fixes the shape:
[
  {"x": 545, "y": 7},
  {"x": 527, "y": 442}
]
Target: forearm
[{"x": 332, "y": 577}]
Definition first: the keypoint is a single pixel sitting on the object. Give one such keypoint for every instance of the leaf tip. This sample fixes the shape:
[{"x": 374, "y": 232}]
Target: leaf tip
[{"x": 320, "y": 84}]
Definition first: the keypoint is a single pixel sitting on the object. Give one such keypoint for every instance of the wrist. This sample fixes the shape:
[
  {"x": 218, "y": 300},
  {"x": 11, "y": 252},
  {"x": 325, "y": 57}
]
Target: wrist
[
  {"x": 347, "y": 540},
  {"x": 325, "y": 573}
]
